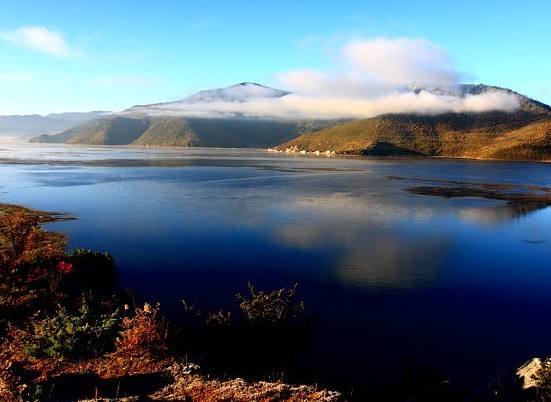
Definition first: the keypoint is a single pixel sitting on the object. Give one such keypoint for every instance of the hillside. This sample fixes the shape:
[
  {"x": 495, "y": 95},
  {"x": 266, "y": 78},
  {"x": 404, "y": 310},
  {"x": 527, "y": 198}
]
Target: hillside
[
  {"x": 110, "y": 131},
  {"x": 170, "y": 131},
  {"x": 521, "y": 135}
]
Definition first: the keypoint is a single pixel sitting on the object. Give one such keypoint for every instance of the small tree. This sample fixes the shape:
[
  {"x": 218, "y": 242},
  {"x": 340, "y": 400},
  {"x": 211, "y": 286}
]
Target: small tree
[{"x": 72, "y": 335}]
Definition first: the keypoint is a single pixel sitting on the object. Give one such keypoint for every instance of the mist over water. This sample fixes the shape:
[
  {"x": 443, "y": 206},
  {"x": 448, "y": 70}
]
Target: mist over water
[{"x": 454, "y": 284}]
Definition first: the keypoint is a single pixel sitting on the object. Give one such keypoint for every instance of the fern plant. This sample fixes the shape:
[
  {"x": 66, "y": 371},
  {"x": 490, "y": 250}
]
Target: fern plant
[{"x": 67, "y": 335}]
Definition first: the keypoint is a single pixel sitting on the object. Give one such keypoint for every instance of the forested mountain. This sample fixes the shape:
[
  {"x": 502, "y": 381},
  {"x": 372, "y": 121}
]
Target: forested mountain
[{"x": 171, "y": 131}]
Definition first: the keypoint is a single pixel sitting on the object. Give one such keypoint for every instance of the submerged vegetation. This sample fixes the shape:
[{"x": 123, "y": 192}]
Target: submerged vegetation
[{"x": 68, "y": 331}]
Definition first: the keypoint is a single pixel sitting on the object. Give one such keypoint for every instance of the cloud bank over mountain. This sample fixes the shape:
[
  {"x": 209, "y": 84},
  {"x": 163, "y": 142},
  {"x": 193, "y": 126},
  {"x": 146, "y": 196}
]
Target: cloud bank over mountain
[
  {"x": 372, "y": 77},
  {"x": 370, "y": 68}
]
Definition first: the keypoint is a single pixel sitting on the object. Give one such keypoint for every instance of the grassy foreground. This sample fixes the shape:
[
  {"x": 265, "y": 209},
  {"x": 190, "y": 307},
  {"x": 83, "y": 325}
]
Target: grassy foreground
[{"x": 69, "y": 332}]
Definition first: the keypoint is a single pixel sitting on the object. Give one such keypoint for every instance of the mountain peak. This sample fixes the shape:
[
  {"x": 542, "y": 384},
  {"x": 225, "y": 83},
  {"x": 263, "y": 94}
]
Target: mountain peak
[
  {"x": 241, "y": 92},
  {"x": 238, "y": 93}
]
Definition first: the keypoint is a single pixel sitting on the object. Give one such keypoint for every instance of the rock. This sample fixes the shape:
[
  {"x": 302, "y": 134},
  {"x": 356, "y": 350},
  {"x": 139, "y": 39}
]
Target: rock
[
  {"x": 527, "y": 370},
  {"x": 515, "y": 384}
]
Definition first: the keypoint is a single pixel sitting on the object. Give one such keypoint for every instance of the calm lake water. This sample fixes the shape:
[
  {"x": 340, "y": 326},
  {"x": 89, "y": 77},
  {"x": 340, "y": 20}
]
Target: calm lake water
[{"x": 457, "y": 285}]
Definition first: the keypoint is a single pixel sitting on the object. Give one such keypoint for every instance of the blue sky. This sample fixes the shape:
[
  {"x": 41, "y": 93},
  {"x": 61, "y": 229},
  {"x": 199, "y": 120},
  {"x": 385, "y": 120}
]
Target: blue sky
[{"x": 109, "y": 55}]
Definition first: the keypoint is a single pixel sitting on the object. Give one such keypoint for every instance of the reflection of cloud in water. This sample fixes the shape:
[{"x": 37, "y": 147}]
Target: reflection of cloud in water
[
  {"x": 374, "y": 252},
  {"x": 380, "y": 262},
  {"x": 340, "y": 216},
  {"x": 488, "y": 216}
]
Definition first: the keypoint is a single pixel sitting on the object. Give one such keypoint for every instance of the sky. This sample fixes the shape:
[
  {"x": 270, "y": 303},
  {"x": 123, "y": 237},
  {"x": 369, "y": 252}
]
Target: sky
[{"x": 68, "y": 56}]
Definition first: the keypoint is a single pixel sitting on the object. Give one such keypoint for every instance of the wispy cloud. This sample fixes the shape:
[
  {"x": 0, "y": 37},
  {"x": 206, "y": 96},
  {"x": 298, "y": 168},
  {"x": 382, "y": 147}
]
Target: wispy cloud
[
  {"x": 16, "y": 77},
  {"x": 39, "y": 39}
]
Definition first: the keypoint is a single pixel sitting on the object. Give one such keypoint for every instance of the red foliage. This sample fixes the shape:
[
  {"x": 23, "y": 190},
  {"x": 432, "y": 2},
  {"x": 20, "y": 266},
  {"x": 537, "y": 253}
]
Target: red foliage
[{"x": 65, "y": 268}]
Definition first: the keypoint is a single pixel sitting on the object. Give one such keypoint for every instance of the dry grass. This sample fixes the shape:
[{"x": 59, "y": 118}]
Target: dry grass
[{"x": 196, "y": 388}]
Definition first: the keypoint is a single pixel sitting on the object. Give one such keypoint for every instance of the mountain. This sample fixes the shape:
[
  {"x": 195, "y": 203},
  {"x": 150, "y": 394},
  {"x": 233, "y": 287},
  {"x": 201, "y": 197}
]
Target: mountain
[
  {"x": 77, "y": 117},
  {"x": 181, "y": 123},
  {"x": 243, "y": 92},
  {"x": 172, "y": 131},
  {"x": 24, "y": 127},
  {"x": 524, "y": 134},
  {"x": 17, "y": 127}
]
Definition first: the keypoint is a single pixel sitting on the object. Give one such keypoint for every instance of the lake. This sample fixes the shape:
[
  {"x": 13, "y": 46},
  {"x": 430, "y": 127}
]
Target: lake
[{"x": 460, "y": 286}]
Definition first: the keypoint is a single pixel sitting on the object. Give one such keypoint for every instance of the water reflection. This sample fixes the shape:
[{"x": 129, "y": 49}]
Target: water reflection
[
  {"x": 374, "y": 252},
  {"x": 384, "y": 263},
  {"x": 499, "y": 214}
]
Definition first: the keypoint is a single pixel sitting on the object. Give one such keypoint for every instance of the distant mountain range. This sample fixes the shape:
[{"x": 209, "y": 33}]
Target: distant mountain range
[
  {"x": 215, "y": 118},
  {"x": 25, "y": 127}
]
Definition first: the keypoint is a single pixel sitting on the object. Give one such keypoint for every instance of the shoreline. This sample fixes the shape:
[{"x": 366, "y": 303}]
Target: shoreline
[{"x": 319, "y": 153}]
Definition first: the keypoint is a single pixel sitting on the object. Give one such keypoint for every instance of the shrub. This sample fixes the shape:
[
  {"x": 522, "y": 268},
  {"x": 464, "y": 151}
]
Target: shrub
[
  {"x": 267, "y": 339},
  {"x": 89, "y": 270},
  {"x": 276, "y": 308},
  {"x": 92, "y": 265},
  {"x": 82, "y": 334},
  {"x": 219, "y": 319},
  {"x": 145, "y": 332}
]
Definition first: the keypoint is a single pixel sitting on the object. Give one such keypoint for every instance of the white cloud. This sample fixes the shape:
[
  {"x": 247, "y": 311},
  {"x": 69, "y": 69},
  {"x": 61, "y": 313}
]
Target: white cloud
[
  {"x": 492, "y": 100},
  {"x": 16, "y": 77},
  {"x": 38, "y": 38},
  {"x": 401, "y": 61},
  {"x": 373, "y": 67}
]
